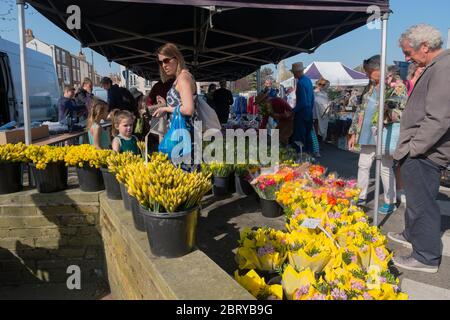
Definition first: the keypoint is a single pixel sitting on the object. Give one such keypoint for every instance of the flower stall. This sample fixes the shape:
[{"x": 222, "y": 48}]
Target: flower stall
[{"x": 341, "y": 257}]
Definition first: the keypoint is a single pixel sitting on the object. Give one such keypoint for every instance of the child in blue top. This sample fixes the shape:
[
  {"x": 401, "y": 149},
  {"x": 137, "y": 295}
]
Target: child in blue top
[{"x": 98, "y": 136}]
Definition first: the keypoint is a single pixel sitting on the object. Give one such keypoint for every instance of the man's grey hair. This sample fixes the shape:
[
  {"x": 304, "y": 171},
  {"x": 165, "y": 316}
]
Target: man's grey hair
[
  {"x": 373, "y": 63},
  {"x": 422, "y": 34}
]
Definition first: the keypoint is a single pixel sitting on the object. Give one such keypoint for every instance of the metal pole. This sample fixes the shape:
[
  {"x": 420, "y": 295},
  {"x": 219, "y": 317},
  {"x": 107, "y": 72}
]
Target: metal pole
[
  {"x": 93, "y": 70},
  {"x": 23, "y": 72},
  {"x": 380, "y": 117}
]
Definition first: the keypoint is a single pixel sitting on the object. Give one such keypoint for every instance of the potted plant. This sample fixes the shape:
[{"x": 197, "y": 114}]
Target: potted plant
[
  {"x": 269, "y": 183},
  {"x": 221, "y": 177},
  {"x": 169, "y": 200},
  {"x": 11, "y": 158},
  {"x": 126, "y": 176},
  {"x": 88, "y": 160},
  {"x": 48, "y": 167},
  {"x": 115, "y": 163},
  {"x": 243, "y": 178}
]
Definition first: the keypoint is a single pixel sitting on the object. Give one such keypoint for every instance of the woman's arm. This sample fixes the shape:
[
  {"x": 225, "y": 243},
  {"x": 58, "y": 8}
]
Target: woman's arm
[{"x": 184, "y": 87}]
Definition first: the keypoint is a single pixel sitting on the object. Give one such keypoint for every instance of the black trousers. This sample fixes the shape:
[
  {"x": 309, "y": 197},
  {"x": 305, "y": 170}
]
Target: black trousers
[{"x": 421, "y": 179}]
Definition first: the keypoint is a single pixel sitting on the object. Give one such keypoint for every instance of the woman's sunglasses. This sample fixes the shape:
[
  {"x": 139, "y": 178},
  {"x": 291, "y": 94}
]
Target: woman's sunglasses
[{"x": 164, "y": 61}]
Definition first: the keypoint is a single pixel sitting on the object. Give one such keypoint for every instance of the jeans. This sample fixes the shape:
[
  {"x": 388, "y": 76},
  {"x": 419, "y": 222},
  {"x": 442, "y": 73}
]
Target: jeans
[
  {"x": 302, "y": 132},
  {"x": 421, "y": 178}
]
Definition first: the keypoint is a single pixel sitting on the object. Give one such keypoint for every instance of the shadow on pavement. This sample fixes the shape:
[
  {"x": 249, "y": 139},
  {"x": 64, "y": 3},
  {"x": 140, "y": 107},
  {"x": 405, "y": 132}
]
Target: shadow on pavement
[{"x": 218, "y": 234}]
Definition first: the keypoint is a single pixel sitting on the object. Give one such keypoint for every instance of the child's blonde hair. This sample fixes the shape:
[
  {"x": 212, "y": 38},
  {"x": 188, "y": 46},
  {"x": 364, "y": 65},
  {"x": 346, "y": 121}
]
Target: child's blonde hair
[
  {"x": 117, "y": 116},
  {"x": 97, "y": 109}
]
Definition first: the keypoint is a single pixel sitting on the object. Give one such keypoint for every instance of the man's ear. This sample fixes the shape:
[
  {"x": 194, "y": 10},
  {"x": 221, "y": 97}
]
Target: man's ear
[{"x": 425, "y": 47}]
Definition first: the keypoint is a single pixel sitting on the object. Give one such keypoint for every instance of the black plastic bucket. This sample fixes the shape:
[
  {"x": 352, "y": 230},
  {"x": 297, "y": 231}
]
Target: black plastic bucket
[
  {"x": 231, "y": 183},
  {"x": 270, "y": 208},
  {"x": 138, "y": 216},
  {"x": 171, "y": 235},
  {"x": 90, "y": 179},
  {"x": 111, "y": 185},
  {"x": 125, "y": 197},
  {"x": 11, "y": 177},
  {"x": 221, "y": 186},
  {"x": 51, "y": 179},
  {"x": 243, "y": 186}
]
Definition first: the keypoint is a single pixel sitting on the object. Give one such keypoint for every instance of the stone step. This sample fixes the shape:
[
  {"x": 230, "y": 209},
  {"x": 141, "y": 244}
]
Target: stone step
[
  {"x": 422, "y": 291},
  {"x": 32, "y": 197}
]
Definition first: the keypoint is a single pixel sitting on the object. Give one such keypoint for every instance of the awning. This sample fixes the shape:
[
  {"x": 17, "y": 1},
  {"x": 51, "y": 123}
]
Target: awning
[
  {"x": 337, "y": 73},
  {"x": 219, "y": 39}
]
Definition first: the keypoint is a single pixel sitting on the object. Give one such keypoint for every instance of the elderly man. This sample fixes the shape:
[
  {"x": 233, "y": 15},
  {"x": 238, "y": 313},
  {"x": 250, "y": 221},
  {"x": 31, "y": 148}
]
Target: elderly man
[
  {"x": 303, "y": 119},
  {"x": 424, "y": 148}
]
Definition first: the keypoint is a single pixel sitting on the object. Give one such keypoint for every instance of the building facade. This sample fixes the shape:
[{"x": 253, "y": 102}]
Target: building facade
[
  {"x": 70, "y": 69},
  {"x": 135, "y": 81}
]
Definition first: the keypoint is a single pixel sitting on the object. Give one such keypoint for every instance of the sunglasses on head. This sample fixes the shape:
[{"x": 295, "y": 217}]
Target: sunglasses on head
[{"x": 164, "y": 61}]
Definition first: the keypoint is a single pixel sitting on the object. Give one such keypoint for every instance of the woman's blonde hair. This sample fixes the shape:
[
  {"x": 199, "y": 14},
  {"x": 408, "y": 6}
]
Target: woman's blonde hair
[
  {"x": 117, "y": 116},
  {"x": 98, "y": 107},
  {"x": 170, "y": 50}
]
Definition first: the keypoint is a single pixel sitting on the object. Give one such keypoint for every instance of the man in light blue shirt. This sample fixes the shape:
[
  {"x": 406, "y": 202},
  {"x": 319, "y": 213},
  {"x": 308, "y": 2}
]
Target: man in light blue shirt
[{"x": 303, "y": 120}]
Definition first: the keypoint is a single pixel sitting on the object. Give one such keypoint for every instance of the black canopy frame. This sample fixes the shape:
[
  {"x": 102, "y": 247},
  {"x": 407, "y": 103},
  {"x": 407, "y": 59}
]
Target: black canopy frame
[{"x": 225, "y": 39}]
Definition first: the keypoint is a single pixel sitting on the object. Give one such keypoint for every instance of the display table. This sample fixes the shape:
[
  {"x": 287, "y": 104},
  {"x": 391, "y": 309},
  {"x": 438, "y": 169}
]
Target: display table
[{"x": 61, "y": 139}]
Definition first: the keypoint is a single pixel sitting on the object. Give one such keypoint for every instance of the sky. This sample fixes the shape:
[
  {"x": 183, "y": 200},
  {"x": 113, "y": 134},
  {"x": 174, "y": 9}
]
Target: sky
[{"x": 350, "y": 49}]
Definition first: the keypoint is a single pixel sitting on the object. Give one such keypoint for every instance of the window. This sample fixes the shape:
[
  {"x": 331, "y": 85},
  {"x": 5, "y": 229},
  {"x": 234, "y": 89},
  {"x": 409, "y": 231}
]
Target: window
[
  {"x": 63, "y": 57},
  {"x": 148, "y": 83},
  {"x": 57, "y": 53},
  {"x": 66, "y": 75},
  {"x": 59, "y": 71}
]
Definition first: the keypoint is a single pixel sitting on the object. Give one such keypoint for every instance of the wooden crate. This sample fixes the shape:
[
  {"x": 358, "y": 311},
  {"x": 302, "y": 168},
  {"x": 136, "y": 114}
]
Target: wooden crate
[{"x": 18, "y": 135}]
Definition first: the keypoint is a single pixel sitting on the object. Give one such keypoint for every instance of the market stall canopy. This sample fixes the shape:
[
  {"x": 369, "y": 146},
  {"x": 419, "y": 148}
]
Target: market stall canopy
[
  {"x": 338, "y": 74},
  {"x": 219, "y": 39}
]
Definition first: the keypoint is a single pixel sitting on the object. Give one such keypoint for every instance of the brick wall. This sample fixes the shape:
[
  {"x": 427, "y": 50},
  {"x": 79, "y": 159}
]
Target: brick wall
[{"x": 42, "y": 234}]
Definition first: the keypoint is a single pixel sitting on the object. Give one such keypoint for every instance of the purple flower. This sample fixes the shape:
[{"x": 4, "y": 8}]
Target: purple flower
[
  {"x": 367, "y": 296},
  {"x": 354, "y": 259},
  {"x": 267, "y": 249},
  {"x": 319, "y": 296},
  {"x": 380, "y": 254},
  {"x": 338, "y": 294},
  {"x": 396, "y": 288},
  {"x": 364, "y": 249},
  {"x": 383, "y": 280},
  {"x": 299, "y": 293},
  {"x": 357, "y": 285}
]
